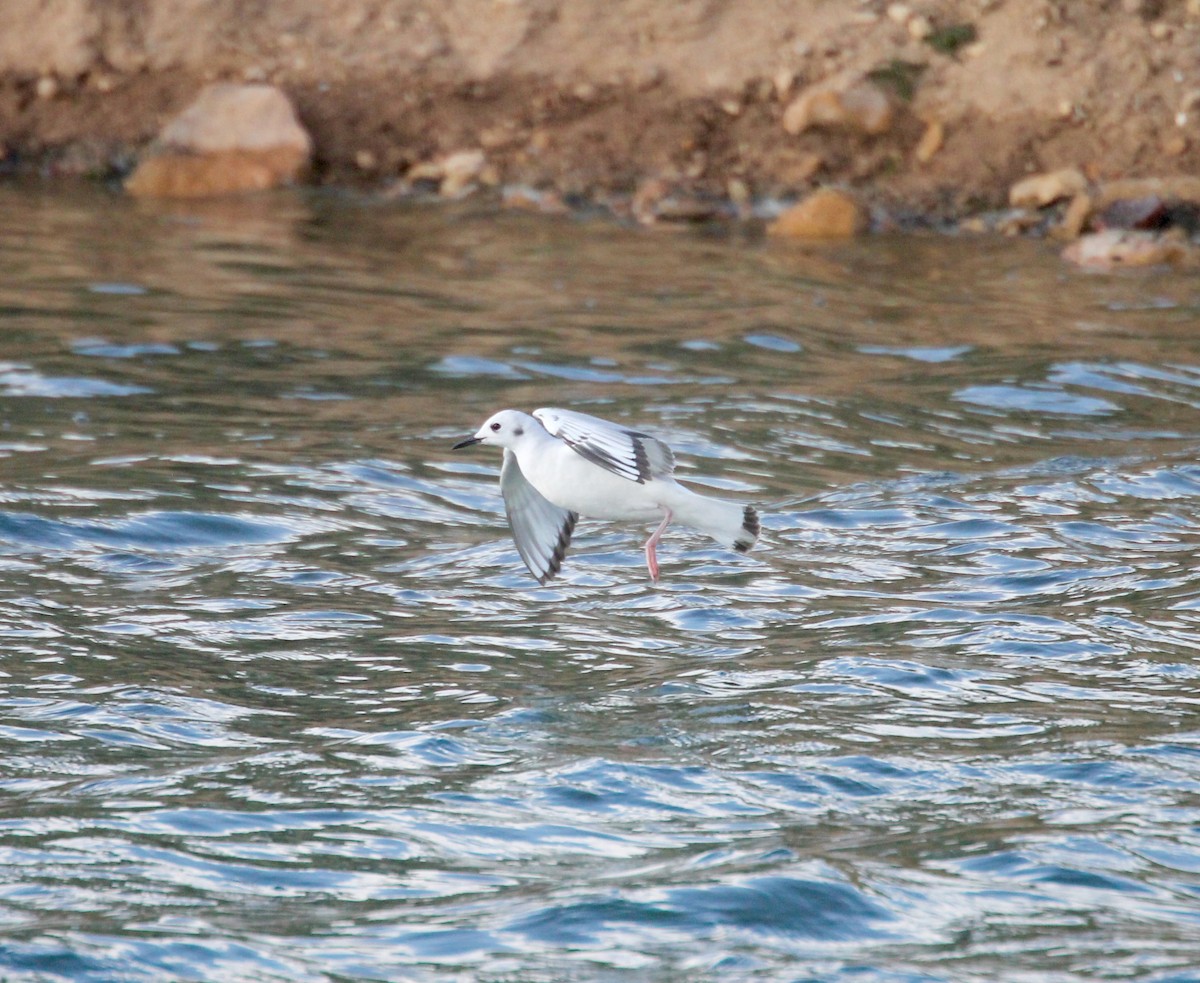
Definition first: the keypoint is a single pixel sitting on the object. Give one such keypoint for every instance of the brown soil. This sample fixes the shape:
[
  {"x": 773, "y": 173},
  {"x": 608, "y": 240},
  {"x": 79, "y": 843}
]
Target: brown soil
[{"x": 599, "y": 97}]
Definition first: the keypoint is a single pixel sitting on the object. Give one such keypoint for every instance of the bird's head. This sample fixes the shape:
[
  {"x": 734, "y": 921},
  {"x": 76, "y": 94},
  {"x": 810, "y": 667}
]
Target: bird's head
[{"x": 503, "y": 429}]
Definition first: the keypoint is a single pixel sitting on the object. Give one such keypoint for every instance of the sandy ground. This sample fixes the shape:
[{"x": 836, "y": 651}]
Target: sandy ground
[{"x": 602, "y": 97}]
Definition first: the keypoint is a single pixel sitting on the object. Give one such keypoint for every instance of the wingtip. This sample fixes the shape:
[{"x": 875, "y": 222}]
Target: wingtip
[
  {"x": 751, "y": 527},
  {"x": 560, "y": 550}
]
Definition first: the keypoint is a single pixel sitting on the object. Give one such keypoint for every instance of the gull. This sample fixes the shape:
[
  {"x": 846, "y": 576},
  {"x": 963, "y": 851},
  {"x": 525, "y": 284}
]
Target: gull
[{"x": 561, "y": 464}]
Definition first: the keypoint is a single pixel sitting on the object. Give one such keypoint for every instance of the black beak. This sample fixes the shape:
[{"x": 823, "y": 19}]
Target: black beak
[{"x": 466, "y": 443}]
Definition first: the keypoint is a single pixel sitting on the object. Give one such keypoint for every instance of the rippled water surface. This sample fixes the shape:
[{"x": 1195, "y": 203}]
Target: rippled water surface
[{"x": 279, "y": 702}]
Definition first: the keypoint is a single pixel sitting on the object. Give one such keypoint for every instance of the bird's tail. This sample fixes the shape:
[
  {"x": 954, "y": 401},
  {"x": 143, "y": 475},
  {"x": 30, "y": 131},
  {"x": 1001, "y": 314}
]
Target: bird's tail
[{"x": 732, "y": 525}]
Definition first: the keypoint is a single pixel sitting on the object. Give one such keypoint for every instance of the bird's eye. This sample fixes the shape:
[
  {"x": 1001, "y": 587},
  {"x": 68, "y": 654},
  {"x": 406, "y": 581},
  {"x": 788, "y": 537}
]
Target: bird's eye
[{"x": 495, "y": 426}]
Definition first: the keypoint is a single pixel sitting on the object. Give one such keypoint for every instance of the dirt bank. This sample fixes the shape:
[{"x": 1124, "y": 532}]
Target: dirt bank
[{"x": 601, "y": 97}]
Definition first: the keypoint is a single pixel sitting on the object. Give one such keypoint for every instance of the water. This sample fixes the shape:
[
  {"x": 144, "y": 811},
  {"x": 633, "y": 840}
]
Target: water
[{"x": 279, "y": 702}]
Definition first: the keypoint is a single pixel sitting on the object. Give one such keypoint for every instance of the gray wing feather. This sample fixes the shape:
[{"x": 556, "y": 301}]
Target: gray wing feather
[
  {"x": 541, "y": 530},
  {"x": 627, "y": 453}
]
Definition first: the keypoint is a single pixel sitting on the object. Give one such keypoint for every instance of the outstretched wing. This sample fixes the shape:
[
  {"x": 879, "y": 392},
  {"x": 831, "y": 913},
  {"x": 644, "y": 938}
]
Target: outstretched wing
[
  {"x": 541, "y": 530},
  {"x": 627, "y": 453}
]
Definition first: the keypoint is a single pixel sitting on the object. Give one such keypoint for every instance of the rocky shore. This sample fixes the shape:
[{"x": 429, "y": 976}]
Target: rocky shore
[{"x": 920, "y": 112}]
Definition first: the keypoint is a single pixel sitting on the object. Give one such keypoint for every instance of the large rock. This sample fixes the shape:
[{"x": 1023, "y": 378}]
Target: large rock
[
  {"x": 233, "y": 138},
  {"x": 855, "y": 105},
  {"x": 825, "y": 214}
]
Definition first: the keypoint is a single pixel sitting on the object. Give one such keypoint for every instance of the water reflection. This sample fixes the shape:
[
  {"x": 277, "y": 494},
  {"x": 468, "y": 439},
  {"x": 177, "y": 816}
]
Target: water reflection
[{"x": 280, "y": 701}]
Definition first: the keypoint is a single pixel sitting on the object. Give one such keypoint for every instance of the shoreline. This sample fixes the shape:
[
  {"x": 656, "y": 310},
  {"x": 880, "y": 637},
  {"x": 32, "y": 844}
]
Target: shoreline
[{"x": 927, "y": 113}]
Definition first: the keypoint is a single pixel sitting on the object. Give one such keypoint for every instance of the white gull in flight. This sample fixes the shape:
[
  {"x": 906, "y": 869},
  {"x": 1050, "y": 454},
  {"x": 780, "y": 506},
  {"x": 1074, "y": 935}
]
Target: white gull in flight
[{"x": 559, "y": 465}]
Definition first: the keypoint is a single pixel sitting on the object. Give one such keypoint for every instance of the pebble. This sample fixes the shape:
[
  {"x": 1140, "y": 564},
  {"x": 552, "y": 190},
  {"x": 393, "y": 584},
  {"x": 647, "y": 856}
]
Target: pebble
[
  {"x": 931, "y": 141},
  {"x": 233, "y": 138},
  {"x": 919, "y": 28},
  {"x": 825, "y": 214}
]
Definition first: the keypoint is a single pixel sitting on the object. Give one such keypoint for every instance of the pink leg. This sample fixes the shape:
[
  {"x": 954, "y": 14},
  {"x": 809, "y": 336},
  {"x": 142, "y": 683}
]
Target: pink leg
[{"x": 652, "y": 545}]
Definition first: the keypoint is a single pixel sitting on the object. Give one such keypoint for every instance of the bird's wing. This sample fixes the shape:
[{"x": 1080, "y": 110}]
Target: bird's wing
[
  {"x": 627, "y": 453},
  {"x": 541, "y": 530}
]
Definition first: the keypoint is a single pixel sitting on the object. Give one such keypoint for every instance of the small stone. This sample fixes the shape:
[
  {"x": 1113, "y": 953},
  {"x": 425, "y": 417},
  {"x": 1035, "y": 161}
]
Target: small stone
[
  {"x": 365, "y": 160},
  {"x": 1117, "y": 248},
  {"x": 1174, "y": 145},
  {"x": 919, "y": 28},
  {"x": 825, "y": 214},
  {"x": 233, "y": 138},
  {"x": 931, "y": 141},
  {"x": 783, "y": 80},
  {"x": 860, "y": 106},
  {"x": 46, "y": 87},
  {"x": 731, "y": 107},
  {"x": 1045, "y": 189},
  {"x": 646, "y": 197},
  {"x": 899, "y": 13},
  {"x": 1160, "y": 31},
  {"x": 738, "y": 191}
]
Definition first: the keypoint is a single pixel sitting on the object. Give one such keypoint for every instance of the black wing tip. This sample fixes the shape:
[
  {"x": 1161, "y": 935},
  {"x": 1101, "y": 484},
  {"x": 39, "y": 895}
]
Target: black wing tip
[
  {"x": 751, "y": 527},
  {"x": 560, "y": 549}
]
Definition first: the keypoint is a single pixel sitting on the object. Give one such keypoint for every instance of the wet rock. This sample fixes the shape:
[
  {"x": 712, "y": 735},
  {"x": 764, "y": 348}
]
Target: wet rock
[
  {"x": 1045, "y": 189},
  {"x": 825, "y": 214},
  {"x": 1118, "y": 248},
  {"x": 658, "y": 201},
  {"x": 528, "y": 199},
  {"x": 860, "y": 105},
  {"x": 233, "y": 138}
]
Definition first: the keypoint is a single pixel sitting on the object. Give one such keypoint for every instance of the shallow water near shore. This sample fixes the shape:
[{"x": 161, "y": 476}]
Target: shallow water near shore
[{"x": 279, "y": 701}]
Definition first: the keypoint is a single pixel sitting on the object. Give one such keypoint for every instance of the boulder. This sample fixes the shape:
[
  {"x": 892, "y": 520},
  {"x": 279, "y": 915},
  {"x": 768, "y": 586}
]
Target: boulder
[
  {"x": 233, "y": 138},
  {"x": 825, "y": 214}
]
